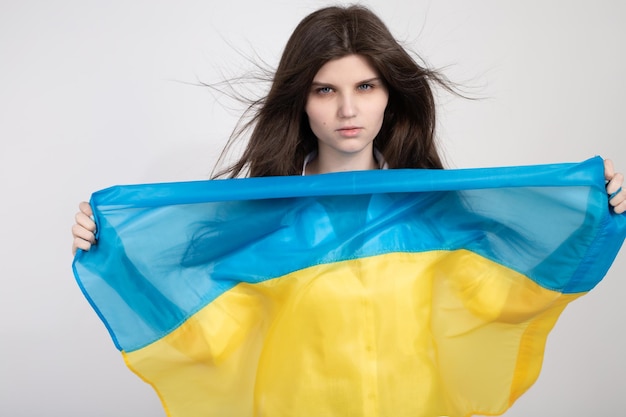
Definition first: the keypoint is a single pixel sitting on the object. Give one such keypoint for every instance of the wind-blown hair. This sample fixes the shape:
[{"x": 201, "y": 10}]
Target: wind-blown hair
[{"x": 281, "y": 136}]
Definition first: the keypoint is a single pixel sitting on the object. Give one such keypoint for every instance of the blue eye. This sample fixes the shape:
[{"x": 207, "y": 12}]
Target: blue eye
[
  {"x": 324, "y": 90},
  {"x": 365, "y": 87}
]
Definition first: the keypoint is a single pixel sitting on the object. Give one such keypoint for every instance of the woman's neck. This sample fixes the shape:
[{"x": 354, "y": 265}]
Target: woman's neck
[{"x": 323, "y": 164}]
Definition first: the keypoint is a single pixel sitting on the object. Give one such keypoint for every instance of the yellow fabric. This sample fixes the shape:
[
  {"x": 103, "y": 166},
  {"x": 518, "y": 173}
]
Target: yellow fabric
[{"x": 403, "y": 334}]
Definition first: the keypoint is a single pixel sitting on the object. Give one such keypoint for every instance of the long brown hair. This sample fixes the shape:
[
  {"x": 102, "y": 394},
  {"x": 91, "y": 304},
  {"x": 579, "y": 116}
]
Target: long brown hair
[{"x": 281, "y": 135}]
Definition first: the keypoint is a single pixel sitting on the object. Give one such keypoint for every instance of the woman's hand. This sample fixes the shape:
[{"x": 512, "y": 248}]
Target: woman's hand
[
  {"x": 84, "y": 229},
  {"x": 617, "y": 196}
]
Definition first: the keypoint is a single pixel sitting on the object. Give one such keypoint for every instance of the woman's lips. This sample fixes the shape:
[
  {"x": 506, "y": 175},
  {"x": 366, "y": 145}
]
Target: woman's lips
[{"x": 349, "y": 131}]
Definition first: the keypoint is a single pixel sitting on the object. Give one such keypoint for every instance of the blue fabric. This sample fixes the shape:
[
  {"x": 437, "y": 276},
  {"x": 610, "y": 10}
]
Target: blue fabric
[{"x": 184, "y": 244}]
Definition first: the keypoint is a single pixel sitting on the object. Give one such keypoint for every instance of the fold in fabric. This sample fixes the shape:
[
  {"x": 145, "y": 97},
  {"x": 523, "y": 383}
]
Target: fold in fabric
[{"x": 373, "y": 293}]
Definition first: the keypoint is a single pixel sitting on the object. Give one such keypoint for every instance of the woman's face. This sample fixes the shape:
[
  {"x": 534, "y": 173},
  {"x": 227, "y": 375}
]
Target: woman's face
[{"x": 346, "y": 107}]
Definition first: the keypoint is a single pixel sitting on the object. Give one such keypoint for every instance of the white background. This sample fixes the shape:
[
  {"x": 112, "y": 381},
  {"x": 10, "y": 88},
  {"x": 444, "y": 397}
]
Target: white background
[{"x": 96, "y": 93}]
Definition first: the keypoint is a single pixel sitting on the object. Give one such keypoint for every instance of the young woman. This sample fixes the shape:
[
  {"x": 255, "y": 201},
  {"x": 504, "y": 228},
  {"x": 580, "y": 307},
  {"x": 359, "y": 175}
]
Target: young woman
[{"x": 345, "y": 96}]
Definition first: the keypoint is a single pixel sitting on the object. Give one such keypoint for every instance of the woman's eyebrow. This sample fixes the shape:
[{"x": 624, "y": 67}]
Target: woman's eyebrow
[
  {"x": 316, "y": 83},
  {"x": 370, "y": 80}
]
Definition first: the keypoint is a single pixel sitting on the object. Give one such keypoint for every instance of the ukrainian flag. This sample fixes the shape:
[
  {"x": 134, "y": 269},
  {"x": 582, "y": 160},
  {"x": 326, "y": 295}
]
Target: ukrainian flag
[{"x": 376, "y": 293}]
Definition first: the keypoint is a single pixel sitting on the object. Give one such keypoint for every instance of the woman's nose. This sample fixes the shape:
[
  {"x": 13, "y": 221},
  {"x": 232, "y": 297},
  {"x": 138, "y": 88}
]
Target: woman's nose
[{"x": 347, "y": 106}]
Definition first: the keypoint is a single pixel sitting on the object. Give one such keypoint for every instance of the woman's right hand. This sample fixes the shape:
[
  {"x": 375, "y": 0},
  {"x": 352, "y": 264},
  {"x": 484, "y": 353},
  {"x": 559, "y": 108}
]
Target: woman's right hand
[{"x": 84, "y": 230}]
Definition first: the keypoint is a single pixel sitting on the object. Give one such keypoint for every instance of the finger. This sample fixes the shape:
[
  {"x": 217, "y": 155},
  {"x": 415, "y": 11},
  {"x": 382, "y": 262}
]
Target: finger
[
  {"x": 86, "y": 208},
  {"x": 609, "y": 171},
  {"x": 620, "y": 208},
  {"x": 618, "y": 197},
  {"x": 80, "y": 244},
  {"x": 85, "y": 221},
  {"x": 80, "y": 232},
  {"x": 615, "y": 184}
]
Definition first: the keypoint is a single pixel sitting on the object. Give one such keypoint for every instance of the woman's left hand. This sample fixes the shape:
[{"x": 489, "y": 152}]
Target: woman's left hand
[{"x": 614, "y": 185}]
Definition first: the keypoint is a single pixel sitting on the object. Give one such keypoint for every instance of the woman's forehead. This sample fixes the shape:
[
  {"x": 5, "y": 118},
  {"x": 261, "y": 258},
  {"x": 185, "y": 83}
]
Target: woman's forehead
[{"x": 346, "y": 69}]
